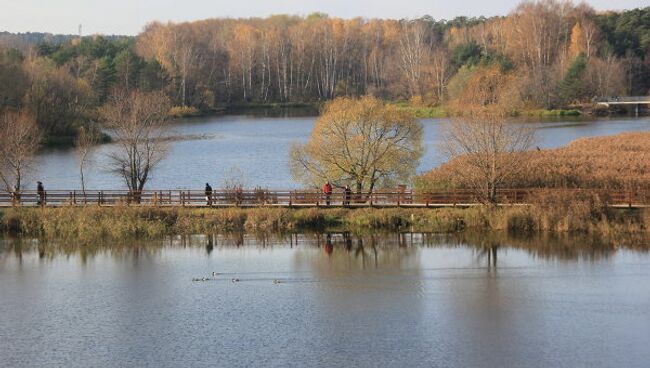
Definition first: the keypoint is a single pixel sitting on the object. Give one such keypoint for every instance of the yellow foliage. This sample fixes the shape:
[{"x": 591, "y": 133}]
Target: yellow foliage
[
  {"x": 360, "y": 142},
  {"x": 487, "y": 87},
  {"x": 577, "y": 45}
]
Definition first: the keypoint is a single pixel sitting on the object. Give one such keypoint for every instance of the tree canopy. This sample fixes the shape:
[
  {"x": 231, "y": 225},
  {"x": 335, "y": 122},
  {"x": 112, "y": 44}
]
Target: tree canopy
[{"x": 363, "y": 143}]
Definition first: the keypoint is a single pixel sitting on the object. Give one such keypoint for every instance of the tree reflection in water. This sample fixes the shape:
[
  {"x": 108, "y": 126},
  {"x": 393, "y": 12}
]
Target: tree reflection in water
[{"x": 367, "y": 250}]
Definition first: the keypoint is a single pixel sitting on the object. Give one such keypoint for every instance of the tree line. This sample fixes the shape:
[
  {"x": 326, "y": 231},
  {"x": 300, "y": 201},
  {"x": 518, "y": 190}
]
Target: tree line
[{"x": 545, "y": 54}]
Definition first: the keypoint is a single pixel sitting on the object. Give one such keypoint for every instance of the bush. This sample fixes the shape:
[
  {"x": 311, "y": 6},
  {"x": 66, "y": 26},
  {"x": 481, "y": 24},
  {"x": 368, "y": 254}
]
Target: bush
[{"x": 183, "y": 111}]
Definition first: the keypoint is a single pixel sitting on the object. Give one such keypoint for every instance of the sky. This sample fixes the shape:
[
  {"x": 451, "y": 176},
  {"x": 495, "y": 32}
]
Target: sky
[{"x": 128, "y": 17}]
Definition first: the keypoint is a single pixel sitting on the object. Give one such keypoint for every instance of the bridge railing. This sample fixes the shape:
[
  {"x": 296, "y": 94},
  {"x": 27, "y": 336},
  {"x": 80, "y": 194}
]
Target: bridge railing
[{"x": 297, "y": 198}]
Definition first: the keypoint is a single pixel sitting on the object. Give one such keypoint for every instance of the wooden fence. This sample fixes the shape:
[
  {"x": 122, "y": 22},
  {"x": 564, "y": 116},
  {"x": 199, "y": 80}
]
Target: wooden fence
[{"x": 299, "y": 198}]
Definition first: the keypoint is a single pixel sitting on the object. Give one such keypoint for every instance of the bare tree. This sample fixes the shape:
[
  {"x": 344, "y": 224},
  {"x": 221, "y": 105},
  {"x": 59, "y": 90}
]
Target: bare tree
[
  {"x": 86, "y": 139},
  {"x": 138, "y": 121},
  {"x": 20, "y": 138},
  {"x": 486, "y": 146},
  {"x": 233, "y": 184}
]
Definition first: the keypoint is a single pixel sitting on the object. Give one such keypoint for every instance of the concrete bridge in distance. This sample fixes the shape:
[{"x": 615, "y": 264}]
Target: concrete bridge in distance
[{"x": 636, "y": 101}]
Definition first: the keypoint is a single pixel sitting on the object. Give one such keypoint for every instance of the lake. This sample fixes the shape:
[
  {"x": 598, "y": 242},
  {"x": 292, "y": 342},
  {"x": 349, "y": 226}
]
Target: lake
[
  {"x": 390, "y": 300},
  {"x": 258, "y": 146}
]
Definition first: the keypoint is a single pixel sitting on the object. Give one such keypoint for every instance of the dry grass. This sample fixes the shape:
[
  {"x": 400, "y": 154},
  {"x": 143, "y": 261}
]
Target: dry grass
[
  {"x": 613, "y": 162},
  {"x": 556, "y": 214}
]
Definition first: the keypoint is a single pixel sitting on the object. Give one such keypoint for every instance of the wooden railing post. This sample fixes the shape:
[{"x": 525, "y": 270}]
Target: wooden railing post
[
  {"x": 630, "y": 195},
  {"x": 291, "y": 198}
]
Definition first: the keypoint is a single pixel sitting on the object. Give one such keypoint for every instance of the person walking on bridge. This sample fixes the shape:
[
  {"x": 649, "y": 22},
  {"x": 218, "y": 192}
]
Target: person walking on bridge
[
  {"x": 327, "y": 190},
  {"x": 40, "y": 192},
  {"x": 208, "y": 194},
  {"x": 347, "y": 194}
]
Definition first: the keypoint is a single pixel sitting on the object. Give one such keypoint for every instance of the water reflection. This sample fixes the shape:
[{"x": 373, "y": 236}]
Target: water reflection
[
  {"x": 332, "y": 299},
  {"x": 369, "y": 250}
]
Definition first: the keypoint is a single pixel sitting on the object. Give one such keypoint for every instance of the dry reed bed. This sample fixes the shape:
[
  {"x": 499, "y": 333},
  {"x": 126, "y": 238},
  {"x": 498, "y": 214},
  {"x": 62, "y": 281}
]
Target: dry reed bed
[{"x": 618, "y": 162}]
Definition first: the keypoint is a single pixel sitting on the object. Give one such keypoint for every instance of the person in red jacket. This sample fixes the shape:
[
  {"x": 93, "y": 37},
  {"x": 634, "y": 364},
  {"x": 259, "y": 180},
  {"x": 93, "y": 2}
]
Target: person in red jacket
[{"x": 327, "y": 189}]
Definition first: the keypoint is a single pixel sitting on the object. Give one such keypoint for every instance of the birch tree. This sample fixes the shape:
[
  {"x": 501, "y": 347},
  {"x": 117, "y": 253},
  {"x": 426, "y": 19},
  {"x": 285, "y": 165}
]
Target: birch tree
[
  {"x": 87, "y": 138},
  {"x": 414, "y": 52}
]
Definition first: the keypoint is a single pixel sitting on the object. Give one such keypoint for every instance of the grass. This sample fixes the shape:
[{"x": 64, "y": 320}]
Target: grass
[
  {"x": 424, "y": 112},
  {"x": 548, "y": 113},
  {"x": 442, "y": 112},
  {"x": 548, "y": 214},
  {"x": 273, "y": 105}
]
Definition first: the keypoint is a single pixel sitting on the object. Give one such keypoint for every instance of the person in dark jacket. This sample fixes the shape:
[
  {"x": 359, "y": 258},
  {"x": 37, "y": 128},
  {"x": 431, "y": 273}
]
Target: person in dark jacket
[
  {"x": 327, "y": 190},
  {"x": 347, "y": 195},
  {"x": 208, "y": 194},
  {"x": 40, "y": 192}
]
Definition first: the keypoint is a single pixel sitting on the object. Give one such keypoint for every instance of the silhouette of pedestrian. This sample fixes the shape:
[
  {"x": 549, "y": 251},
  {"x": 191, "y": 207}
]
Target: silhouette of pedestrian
[
  {"x": 208, "y": 194},
  {"x": 40, "y": 192},
  {"x": 347, "y": 195}
]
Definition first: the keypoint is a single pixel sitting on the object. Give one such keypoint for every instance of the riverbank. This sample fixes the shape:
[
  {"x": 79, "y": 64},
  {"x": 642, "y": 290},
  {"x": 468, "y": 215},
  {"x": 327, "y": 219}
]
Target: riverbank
[
  {"x": 422, "y": 112},
  {"x": 430, "y": 112},
  {"x": 150, "y": 222}
]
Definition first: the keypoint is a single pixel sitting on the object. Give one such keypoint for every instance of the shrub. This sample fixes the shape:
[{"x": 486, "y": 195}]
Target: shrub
[{"x": 183, "y": 111}]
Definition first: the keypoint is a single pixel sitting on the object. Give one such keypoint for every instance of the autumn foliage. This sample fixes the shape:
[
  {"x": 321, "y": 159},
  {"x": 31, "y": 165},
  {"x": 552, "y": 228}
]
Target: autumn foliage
[
  {"x": 362, "y": 143},
  {"x": 544, "y": 54}
]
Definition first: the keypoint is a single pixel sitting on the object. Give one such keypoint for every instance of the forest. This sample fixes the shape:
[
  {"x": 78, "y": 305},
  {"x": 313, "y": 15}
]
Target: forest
[{"x": 545, "y": 54}]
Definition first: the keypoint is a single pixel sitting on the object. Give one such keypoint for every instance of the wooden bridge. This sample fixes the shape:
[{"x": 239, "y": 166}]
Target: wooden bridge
[
  {"x": 636, "y": 101},
  {"x": 300, "y": 198}
]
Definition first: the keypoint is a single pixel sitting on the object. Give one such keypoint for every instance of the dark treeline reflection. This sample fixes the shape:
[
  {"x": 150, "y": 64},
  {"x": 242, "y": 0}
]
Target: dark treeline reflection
[{"x": 368, "y": 249}]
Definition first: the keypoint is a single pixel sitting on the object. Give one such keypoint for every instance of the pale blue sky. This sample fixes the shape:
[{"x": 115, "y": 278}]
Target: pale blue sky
[{"x": 129, "y": 16}]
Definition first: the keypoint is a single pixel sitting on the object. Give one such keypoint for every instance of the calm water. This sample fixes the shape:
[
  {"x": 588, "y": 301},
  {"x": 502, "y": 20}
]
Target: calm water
[
  {"x": 388, "y": 300},
  {"x": 258, "y": 146}
]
